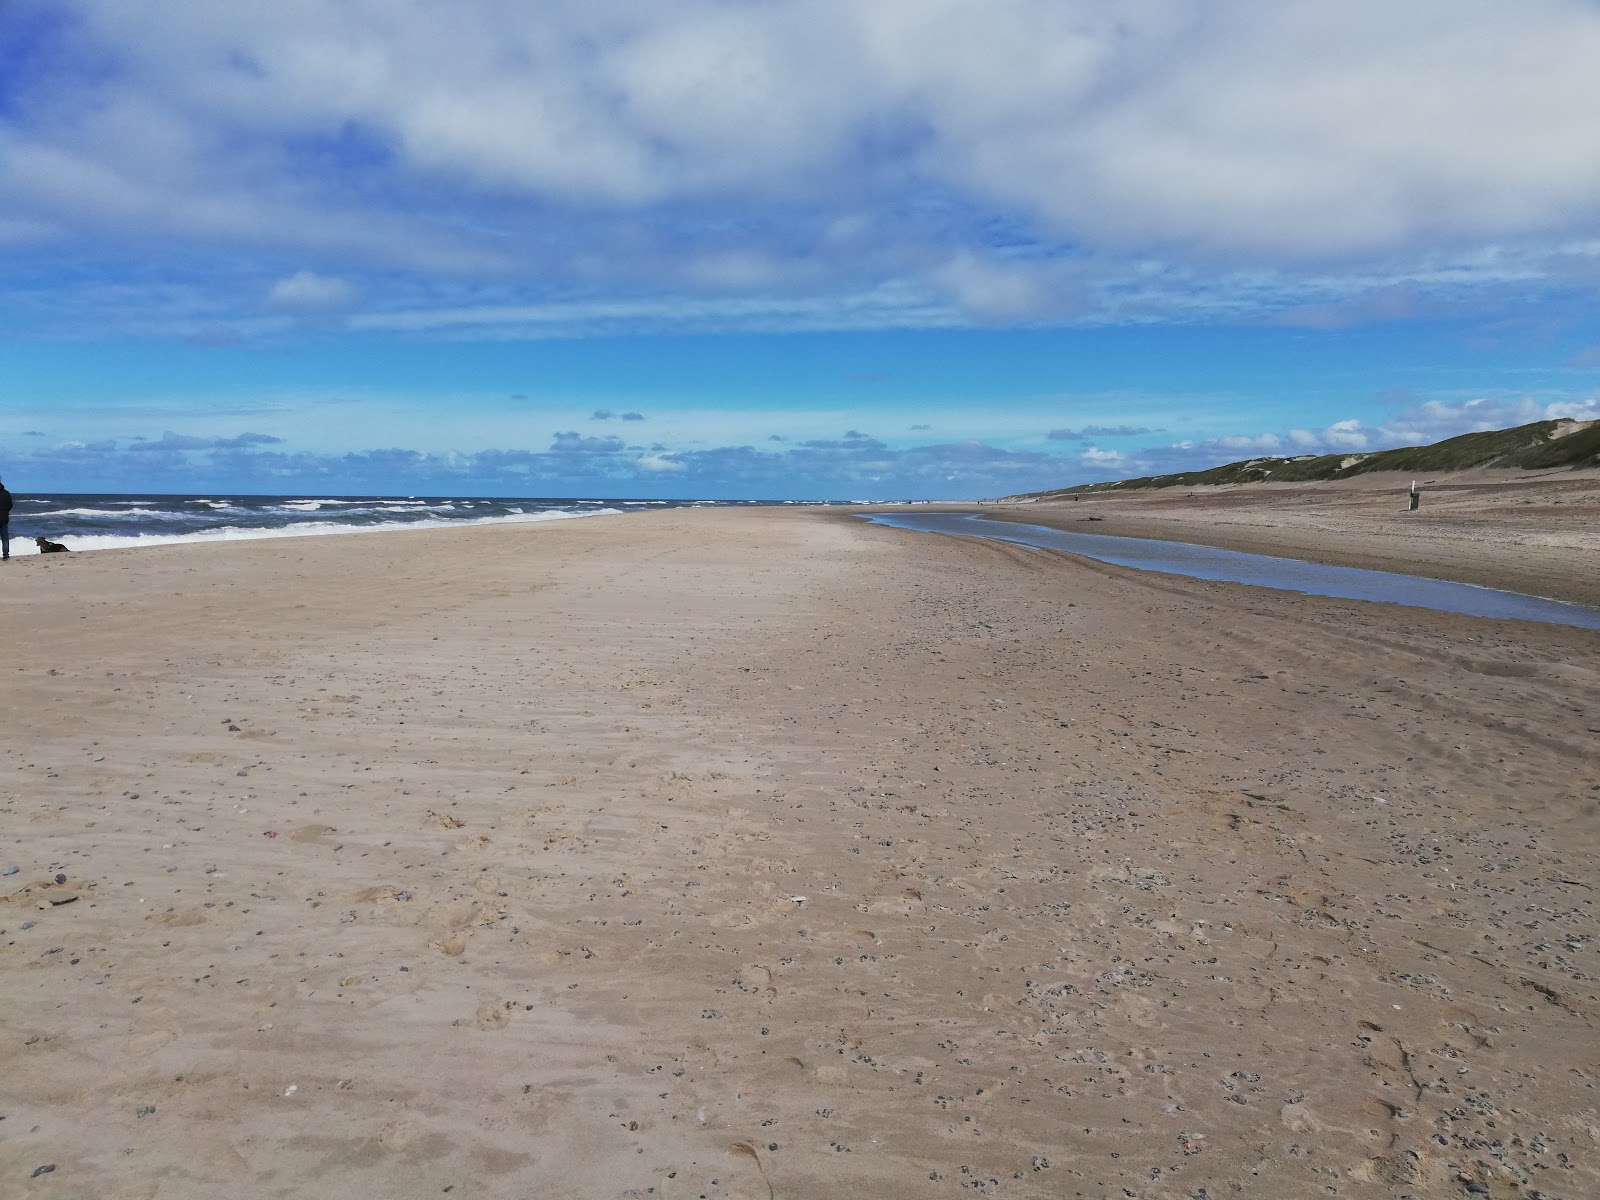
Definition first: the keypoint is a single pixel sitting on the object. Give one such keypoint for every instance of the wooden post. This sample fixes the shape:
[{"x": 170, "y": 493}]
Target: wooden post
[{"x": 1416, "y": 497}]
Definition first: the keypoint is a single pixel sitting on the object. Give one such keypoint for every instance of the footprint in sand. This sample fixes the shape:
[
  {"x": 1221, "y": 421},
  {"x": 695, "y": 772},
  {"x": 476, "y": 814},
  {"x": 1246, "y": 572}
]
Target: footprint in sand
[
  {"x": 493, "y": 1014},
  {"x": 181, "y": 917},
  {"x": 758, "y": 979},
  {"x": 453, "y": 922},
  {"x": 774, "y": 1076},
  {"x": 1396, "y": 1169},
  {"x": 749, "y": 1180},
  {"x": 1297, "y": 1118},
  {"x": 382, "y": 893}
]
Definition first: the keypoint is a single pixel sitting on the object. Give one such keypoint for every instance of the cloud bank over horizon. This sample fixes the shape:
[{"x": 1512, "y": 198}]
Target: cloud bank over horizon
[
  {"x": 1420, "y": 425},
  {"x": 853, "y": 465}
]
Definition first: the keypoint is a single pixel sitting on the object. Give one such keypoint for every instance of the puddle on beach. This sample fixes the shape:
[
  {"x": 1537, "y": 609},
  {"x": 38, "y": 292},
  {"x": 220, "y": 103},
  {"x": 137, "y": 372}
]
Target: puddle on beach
[{"x": 1285, "y": 574}]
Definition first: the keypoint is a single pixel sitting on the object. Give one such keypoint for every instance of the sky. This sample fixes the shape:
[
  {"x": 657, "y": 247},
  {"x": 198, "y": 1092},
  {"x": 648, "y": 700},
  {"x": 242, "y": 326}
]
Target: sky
[{"x": 781, "y": 249}]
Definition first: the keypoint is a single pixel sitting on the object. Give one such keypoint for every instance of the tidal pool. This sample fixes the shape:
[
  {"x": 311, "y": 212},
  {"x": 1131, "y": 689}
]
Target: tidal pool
[{"x": 1285, "y": 574}]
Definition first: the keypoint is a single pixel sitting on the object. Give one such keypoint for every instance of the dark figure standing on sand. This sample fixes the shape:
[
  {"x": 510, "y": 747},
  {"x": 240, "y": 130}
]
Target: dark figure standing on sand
[{"x": 5, "y": 522}]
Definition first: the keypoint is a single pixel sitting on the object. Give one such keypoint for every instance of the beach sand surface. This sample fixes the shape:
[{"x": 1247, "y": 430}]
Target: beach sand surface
[
  {"x": 1529, "y": 531},
  {"x": 767, "y": 853}
]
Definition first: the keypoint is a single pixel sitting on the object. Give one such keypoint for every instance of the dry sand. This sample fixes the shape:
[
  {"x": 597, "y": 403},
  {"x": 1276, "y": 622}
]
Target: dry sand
[{"x": 772, "y": 854}]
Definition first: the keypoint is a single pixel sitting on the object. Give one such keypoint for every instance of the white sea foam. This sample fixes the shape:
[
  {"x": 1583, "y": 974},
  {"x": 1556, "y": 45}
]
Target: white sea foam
[
  {"x": 229, "y": 533},
  {"x": 108, "y": 512},
  {"x": 315, "y": 505}
]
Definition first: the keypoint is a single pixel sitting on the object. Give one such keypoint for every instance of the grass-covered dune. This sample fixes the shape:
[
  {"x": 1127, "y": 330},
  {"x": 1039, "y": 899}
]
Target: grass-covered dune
[{"x": 1540, "y": 445}]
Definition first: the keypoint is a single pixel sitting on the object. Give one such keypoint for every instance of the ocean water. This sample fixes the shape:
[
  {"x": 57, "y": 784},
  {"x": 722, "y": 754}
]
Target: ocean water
[{"x": 106, "y": 522}]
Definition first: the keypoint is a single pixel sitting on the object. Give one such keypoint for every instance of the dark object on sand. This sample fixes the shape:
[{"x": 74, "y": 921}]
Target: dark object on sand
[
  {"x": 48, "y": 547},
  {"x": 1416, "y": 497}
]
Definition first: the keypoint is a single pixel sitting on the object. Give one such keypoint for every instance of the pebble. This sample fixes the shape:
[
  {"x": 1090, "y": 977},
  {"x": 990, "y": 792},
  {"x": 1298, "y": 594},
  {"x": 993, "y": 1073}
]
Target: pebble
[
  {"x": 61, "y": 878},
  {"x": 10, "y": 871},
  {"x": 44, "y": 1170}
]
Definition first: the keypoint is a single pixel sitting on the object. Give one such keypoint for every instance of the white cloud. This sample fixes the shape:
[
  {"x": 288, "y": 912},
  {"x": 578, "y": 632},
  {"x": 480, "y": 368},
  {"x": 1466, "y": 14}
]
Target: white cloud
[
  {"x": 1265, "y": 443},
  {"x": 306, "y": 289},
  {"x": 1146, "y": 155},
  {"x": 1346, "y": 435},
  {"x": 1419, "y": 425},
  {"x": 658, "y": 462},
  {"x": 999, "y": 291}
]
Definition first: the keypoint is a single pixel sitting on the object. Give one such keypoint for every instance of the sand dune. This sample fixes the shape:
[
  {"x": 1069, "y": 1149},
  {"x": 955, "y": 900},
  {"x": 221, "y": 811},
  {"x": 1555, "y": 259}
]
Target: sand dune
[{"x": 753, "y": 853}]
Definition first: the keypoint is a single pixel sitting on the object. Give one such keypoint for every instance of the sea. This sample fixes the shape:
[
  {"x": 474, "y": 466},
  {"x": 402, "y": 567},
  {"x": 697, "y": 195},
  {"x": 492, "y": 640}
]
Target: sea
[{"x": 112, "y": 522}]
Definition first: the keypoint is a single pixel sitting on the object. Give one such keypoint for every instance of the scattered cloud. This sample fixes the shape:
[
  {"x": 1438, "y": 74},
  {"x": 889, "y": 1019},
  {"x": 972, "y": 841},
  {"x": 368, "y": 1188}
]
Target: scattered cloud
[
  {"x": 170, "y": 441},
  {"x": 853, "y": 464},
  {"x": 1419, "y": 424},
  {"x": 1096, "y": 457},
  {"x": 1089, "y": 432},
  {"x": 920, "y": 428},
  {"x": 601, "y": 414},
  {"x": 993, "y": 290},
  {"x": 1014, "y": 163},
  {"x": 308, "y": 290},
  {"x": 575, "y": 443},
  {"x": 1266, "y": 443},
  {"x": 1435, "y": 420},
  {"x": 857, "y": 465},
  {"x": 633, "y": 416}
]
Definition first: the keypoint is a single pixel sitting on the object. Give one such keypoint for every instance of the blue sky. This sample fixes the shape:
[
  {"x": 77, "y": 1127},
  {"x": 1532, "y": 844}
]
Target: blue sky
[{"x": 788, "y": 249}]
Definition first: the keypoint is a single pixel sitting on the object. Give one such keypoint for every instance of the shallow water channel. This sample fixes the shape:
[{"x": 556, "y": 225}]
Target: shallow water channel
[{"x": 1285, "y": 574}]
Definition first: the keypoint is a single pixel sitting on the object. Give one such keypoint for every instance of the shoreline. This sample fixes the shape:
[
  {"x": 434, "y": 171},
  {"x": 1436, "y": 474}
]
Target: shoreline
[
  {"x": 1533, "y": 533},
  {"x": 754, "y": 852},
  {"x": 1300, "y": 576},
  {"x": 23, "y": 544}
]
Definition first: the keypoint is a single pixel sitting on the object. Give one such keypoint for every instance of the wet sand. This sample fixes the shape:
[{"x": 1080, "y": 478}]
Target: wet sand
[
  {"x": 1530, "y": 531},
  {"x": 771, "y": 854}
]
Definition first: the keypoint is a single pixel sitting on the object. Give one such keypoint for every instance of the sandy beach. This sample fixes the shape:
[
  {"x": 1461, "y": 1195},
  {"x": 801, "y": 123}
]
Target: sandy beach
[
  {"x": 767, "y": 853},
  {"x": 1529, "y": 531}
]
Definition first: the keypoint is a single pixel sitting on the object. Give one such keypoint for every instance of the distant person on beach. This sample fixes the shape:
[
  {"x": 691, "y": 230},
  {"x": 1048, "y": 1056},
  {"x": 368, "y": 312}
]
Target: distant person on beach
[{"x": 5, "y": 522}]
